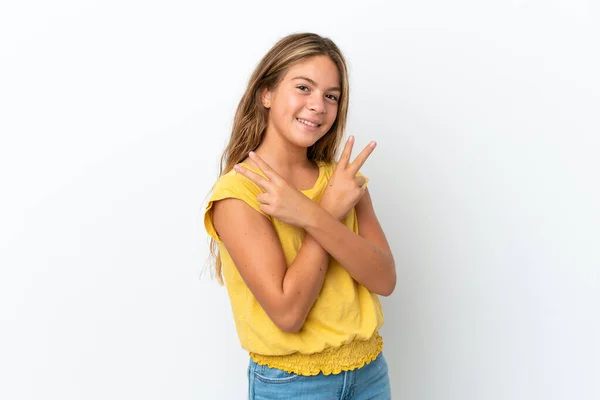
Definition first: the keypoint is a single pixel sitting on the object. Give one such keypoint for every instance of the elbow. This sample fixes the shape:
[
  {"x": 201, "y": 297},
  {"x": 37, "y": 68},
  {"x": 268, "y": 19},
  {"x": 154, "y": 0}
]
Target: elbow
[
  {"x": 289, "y": 328},
  {"x": 389, "y": 283},
  {"x": 387, "y": 289},
  {"x": 286, "y": 314},
  {"x": 289, "y": 322},
  {"x": 384, "y": 288}
]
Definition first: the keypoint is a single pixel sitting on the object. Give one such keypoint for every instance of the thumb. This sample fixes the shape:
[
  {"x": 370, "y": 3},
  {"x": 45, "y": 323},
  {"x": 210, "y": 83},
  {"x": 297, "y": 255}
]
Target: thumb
[{"x": 360, "y": 180}]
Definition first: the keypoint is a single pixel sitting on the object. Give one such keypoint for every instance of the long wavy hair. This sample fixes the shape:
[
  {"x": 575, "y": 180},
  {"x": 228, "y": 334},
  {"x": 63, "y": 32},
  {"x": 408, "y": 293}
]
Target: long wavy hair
[{"x": 251, "y": 117}]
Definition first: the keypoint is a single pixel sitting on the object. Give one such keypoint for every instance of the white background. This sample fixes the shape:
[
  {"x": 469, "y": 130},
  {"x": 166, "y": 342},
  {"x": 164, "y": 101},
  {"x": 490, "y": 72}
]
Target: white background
[{"x": 113, "y": 115}]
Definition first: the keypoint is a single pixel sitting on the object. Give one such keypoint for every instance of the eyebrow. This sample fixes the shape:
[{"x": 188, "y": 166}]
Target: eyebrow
[{"x": 315, "y": 83}]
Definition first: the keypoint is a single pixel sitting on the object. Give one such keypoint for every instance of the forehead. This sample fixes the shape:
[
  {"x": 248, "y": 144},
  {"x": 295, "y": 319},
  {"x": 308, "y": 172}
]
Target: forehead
[{"x": 320, "y": 69}]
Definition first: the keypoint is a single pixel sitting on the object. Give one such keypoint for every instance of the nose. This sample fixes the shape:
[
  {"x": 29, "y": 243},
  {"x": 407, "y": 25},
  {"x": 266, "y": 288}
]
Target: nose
[{"x": 317, "y": 104}]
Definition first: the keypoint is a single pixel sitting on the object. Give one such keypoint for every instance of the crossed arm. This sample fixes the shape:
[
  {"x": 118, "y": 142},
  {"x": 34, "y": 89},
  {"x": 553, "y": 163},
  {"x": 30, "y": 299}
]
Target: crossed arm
[
  {"x": 366, "y": 256},
  {"x": 288, "y": 293}
]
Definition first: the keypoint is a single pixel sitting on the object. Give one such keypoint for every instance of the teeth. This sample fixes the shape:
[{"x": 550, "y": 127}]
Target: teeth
[{"x": 305, "y": 122}]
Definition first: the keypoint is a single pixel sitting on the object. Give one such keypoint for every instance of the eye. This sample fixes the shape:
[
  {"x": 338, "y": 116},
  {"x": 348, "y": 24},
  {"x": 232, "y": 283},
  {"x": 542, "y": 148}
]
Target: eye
[
  {"x": 332, "y": 97},
  {"x": 303, "y": 88}
]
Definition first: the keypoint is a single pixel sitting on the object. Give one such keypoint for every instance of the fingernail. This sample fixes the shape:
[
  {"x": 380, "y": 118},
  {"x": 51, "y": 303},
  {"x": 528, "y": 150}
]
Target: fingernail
[
  {"x": 373, "y": 144},
  {"x": 351, "y": 138}
]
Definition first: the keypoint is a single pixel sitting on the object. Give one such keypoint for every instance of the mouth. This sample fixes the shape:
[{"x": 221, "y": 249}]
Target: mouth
[{"x": 306, "y": 122}]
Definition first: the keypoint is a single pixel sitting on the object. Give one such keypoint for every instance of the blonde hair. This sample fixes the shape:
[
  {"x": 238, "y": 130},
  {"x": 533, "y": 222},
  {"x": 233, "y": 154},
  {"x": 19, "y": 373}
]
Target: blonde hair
[{"x": 250, "y": 121}]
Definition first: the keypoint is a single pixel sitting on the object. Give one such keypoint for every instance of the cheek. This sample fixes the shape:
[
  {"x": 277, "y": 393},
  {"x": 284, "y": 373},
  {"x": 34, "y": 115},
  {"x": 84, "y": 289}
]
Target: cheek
[
  {"x": 332, "y": 114},
  {"x": 295, "y": 103}
]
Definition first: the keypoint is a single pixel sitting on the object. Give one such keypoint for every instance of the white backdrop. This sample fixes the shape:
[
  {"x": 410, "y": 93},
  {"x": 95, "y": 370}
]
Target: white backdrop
[{"x": 113, "y": 115}]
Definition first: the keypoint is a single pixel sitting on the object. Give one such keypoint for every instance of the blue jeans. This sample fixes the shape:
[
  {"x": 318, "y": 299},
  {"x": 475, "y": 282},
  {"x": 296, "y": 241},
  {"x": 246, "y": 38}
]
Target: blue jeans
[{"x": 369, "y": 382}]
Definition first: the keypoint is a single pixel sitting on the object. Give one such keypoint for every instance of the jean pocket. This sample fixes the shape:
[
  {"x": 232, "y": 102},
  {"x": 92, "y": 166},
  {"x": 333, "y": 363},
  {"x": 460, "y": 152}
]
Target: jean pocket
[{"x": 274, "y": 375}]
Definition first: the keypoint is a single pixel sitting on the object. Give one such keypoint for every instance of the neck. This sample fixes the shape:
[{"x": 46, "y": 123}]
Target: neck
[{"x": 280, "y": 154}]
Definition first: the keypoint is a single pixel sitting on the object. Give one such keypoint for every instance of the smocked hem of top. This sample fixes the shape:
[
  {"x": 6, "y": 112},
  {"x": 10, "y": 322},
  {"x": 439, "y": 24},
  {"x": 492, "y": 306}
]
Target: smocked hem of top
[{"x": 287, "y": 364}]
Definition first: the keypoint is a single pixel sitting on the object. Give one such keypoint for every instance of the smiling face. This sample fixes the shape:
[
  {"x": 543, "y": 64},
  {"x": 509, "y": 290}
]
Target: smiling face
[{"x": 304, "y": 105}]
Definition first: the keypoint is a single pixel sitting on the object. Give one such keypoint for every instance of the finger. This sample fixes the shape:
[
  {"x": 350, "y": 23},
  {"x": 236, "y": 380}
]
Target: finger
[
  {"x": 265, "y": 208},
  {"x": 262, "y": 198},
  {"x": 361, "y": 158},
  {"x": 360, "y": 181},
  {"x": 345, "y": 157},
  {"x": 264, "y": 167},
  {"x": 253, "y": 176}
]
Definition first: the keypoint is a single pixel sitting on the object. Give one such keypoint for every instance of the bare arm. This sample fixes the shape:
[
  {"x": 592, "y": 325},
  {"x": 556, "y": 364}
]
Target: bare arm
[
  {"x": 366, "y": 256},
  {"x": 286, "y": 294}
]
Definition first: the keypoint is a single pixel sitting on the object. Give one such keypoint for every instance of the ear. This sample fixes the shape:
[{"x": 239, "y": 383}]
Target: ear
[{"x": 265, "y": 98}]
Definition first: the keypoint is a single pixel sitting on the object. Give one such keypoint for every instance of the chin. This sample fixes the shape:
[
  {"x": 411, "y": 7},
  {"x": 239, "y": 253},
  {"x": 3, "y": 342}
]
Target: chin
[{"x": 305, "y": 140}]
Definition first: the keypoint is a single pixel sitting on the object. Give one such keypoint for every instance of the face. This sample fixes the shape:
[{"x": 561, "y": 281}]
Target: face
[{"x": 303, "y": 106}]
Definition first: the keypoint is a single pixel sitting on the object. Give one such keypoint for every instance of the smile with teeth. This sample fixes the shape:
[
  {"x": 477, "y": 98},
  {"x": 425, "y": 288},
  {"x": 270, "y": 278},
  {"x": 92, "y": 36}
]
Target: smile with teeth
[{"x": 305, "y": 122}]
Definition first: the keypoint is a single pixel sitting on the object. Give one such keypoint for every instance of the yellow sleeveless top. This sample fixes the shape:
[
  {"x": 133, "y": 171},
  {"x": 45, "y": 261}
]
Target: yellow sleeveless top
[{"x": 341, "y": 330}]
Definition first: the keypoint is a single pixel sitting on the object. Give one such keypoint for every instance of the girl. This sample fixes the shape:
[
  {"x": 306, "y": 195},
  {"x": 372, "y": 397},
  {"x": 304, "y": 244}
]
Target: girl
[{"x": 284, "y": 219}]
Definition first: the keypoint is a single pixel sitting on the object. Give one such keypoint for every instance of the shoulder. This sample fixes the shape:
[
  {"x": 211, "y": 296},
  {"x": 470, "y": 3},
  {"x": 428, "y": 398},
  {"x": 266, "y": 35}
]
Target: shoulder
[
  {"x": 233, "y": 183},
  {"x": 231, "y": 186}
]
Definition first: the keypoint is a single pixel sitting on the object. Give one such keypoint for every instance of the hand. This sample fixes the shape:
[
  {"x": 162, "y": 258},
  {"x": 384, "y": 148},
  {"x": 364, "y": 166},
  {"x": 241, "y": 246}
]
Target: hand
[
  {"x": 344, "y": 188},
  {"x": 280, "y": 199}
]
